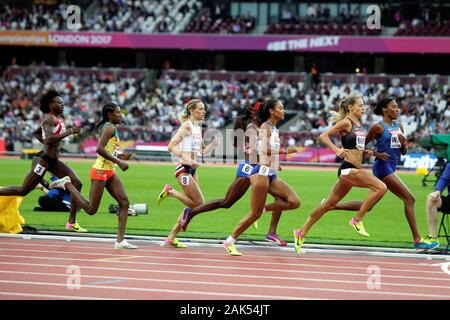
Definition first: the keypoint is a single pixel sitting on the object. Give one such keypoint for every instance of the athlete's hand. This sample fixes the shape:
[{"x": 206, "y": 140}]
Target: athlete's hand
[
  {"x": 291, "y": 149},
  {"x": 75, "y": 130},
  {"x": 216, "y": 141},
  {"x": 382, "y": 156},
  {"x": 401, "y": 137},
  {"x": 125, "y": 156},
  {"x": 435, "y": 196},
  {"x": 341, "y": 152},
  {"x": 194, "y": 164},
  {"x": 123, "y": 165},
  {"x": 368, "y": 153}
]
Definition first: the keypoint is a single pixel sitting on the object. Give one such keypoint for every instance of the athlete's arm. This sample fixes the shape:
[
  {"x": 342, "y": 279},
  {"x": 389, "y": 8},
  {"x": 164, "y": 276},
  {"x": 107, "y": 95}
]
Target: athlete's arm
[
  {"x": 251, "y": 139},
  {"x": 173, "y": 148},
  {"x": 342, "y": 126},
  {"x": 402, "y": 139},
  {"x": 38, "y": 135},
  {"x": 265, "y": 132},
  {"x": 48, "y": 125},
  {"x": 108, "y": 133},
  {"x": 207, "y": 149},
  {"x": 374, "y": 133}
]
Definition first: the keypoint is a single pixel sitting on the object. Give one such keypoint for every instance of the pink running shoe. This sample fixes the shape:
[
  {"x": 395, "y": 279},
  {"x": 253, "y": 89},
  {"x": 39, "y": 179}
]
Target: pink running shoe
[{"x": 276, "y": 239}]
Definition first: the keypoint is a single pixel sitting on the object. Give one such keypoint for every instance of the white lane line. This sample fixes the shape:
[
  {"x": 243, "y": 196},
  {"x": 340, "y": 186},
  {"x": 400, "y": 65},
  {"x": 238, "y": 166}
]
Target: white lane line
[
  {"x": 226, "y": 275},
  {"x": 209, "y": 254},
  {"x": 51, "y": 296},
  {"x": 134, "y": 289},
  {"x": 236, "y": 261},
  {"x": 237, "y": 294},
  {"x": 250, "y": 285}
]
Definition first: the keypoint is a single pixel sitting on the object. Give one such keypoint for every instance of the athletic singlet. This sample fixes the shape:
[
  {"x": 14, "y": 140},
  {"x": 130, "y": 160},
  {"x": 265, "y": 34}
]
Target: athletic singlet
[
  {"x": 112, "y": 147},
  {"x": 355, "y": 139},
  {"x": 274, "y": 146},
  {"x": 192, "y": 142},
  {"x": 58, "y": 129},
  {"x": 388, "y": 142}
]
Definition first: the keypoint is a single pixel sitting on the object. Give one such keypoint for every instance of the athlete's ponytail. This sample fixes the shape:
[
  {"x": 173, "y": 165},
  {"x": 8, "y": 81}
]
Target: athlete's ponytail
[
  {"x": 264, "y": 111},
  {"x": 251, "y": 114},
  {"x": 192, "y": 104},
  {"x": 107, "y": 109},
  {"x": 344, "y": 107}
]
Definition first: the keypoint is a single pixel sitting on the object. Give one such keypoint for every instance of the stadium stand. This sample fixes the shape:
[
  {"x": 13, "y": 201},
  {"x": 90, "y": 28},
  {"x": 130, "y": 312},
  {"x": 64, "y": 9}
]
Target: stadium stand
[{"x": 152, "y": 108}]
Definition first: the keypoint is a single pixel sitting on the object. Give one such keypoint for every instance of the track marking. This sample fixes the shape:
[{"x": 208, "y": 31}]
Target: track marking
[
  {"x": 189, "y": 292},
  {"x": 256, "y": 285},
  {"x": 115, "y": 259},
  {"x": 236, "y": 261},
  {"x": 237, "y": 294},
  {"x": 48, "y": 296},
  {"x": 228, "y": 275}
]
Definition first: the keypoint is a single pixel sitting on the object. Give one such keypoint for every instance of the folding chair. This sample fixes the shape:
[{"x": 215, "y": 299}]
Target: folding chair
[{"x": 444, "y": 229}]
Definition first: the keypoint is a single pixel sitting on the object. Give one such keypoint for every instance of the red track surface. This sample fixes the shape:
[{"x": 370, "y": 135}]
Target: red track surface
[{"x": 40, "y": 269}]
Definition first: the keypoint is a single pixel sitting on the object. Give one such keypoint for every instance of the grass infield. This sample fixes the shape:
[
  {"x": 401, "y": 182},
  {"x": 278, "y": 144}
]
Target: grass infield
[{"x": 386, "y": 223}]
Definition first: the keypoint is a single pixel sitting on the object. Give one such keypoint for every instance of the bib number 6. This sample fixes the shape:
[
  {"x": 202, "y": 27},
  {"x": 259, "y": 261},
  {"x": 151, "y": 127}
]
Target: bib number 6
[{"x": 247, "y": 169}]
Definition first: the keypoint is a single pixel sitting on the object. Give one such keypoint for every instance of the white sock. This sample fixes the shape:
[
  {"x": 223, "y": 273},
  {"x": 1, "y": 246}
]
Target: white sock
[{"x": 231, "y": 240}]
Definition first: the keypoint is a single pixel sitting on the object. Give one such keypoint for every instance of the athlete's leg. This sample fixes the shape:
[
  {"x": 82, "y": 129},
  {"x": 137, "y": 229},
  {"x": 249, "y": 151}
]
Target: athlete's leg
[
  {"x": 30, "y": 182},
  {"x": 192, "y": 197},
  {"x": 398, "y": 187},
  {"x": 260, "y": 186},
  {"x": 117, "y": 191},
  {"x": 363, "y": 179},
  {"x": 60, "y": 170},
  {"x": 432, "y": 215},
  {"x": 353, "y": 205},
  {"x": 339, "y": 191},
  {"x": 285, "y": 197},
  {"x": 95, "y": 196},
  {"x": 235, "y": 192}
]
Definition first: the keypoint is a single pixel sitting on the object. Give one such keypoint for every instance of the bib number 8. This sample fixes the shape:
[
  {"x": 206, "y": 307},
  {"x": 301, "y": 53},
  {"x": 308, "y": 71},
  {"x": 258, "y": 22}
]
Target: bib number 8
[
  {"x": 264, "y": 171},
  {"x": 185, "y": 180}
]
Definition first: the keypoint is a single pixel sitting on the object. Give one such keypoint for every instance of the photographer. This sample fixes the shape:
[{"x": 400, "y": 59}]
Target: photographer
[{"x": 54, "y": 199}]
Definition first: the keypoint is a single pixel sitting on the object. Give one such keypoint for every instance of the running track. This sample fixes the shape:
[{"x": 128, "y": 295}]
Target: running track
[{"x": 44, "y": 269}]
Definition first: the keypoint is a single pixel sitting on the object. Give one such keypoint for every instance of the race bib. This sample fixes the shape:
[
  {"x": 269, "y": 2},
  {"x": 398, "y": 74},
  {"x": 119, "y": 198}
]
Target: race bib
[
  {"x": 360, "y": 140},
  {"x": 345, "y": 172},
  {"x": 276, "y": 146},
  {"x": 117, "y": 152},
  {"x": 39, "y": 170},
  {"x": 185, "y": 180},
  {"x": 247, "y": 169},
  {"x": 264, "y": 171},
  {"x": 395, "y": 141}
]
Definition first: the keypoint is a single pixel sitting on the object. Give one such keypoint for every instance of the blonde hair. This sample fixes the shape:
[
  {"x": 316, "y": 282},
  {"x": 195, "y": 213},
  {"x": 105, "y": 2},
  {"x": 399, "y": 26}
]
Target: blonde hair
[
  {"x": 187, "y": 109},
  {"x": 343, "y": 107}
]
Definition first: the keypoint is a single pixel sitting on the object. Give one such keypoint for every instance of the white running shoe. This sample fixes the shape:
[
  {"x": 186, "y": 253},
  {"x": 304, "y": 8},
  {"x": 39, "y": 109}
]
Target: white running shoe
[
  {"x": 60, "y": 183},
  {"x": 124, "y": 245}
]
